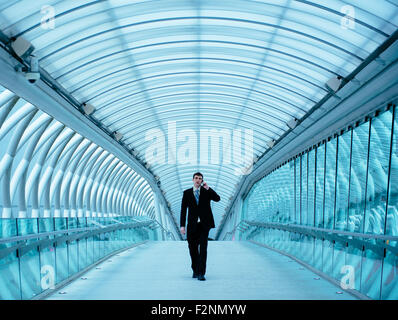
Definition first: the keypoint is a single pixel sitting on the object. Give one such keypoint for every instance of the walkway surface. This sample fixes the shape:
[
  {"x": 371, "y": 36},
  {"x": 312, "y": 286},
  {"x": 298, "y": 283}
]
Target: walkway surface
[{"x": 235, "y": 270}]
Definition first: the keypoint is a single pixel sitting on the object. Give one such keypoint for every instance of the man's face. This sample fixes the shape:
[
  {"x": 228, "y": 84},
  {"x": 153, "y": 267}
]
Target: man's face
[{"x": 197, "y": 181}]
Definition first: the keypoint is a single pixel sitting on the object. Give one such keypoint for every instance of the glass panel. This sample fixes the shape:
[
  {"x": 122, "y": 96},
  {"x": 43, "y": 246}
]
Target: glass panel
[
  {"x": 47, "y": 268},
  {"x": 90, "y": 250},
  {"x": 353, "y": 261},
  {"x": 115, "y": 243},
  {"x": 343, "y": 171},
  {"x": 30, "y": 274},
  {"x": 61, "y": 258},
  {"x": 60, "y": 224},
  {"x": 107, "y": 240},
  {"x": 10, "y": 287},
  {"x": 297, "y": 178},
  {"x": 8, "y": 228},
  {"x": 327, "y": 257},
  {"x": 330, "y": 183},
  {"x": 97, "y": 251},
  {"x": 307, "y": 249},
  {"x": 27, "y": 226},
  {"x": 290, "y": 189},
  {"x": 371, "y": 274},
  {"x": 83, "y": 254},
  {"x": 304, "y": 189},
  {"x": 46, "y": 224},
  {"x": 392, "y": 212},
  {"x": 318, "y": 248},
  {"x": 311, "y": 188},
  {"x": 360, "y": 136},
  {"x": 338, "y": 260},
  {"x": 320, "y": 185},
  {"x": 390, "y": 277},
  {"x": 379, "y": 156},
  {"x": 73, "y": 258},
  {"x": 73, "y": 223},
  {"x": 82, "y": 222}
]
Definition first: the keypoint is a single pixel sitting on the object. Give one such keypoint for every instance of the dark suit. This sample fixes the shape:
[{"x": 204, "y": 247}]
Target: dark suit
[{"x": 197, "y": 232}]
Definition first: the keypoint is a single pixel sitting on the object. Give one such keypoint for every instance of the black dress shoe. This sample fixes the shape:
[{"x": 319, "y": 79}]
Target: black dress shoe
[
  {"x": 195, "y": 275},
  {"x": 201, "y": 277}
]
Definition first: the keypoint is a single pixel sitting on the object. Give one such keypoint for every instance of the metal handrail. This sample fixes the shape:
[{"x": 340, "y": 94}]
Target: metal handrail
[
  {"x": 165, "y": 230},
  {"x": 22, "y": 247},
  {"x": 345, "y": 237},
  {"x": 234, "y": 229},
  {"x": 44, "y": 234},
  {"x": 335, "y": 231}
]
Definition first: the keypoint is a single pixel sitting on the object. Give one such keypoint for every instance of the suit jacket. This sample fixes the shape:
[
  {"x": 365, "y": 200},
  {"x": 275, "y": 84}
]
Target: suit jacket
[{"x": 201, "y": 210}]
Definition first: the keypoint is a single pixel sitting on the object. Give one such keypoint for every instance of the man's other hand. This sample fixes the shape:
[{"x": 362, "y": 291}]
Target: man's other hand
[{"x": 182, "y": 230}]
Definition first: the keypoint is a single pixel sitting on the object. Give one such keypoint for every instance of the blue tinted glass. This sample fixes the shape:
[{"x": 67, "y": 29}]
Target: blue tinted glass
[
  {"x": 371, "y": 274},
  {"x": 360, "y": 137},
  {"x": 392, "y": 212},
  {"x": 318, "y": 248},
  {"x": 8, "y": 228},
  {"x": 327, "y": 257},
  {"x": 304, "y": 189},
  {"x": 338, "y": 259},
  {"x": 30, "y": 274},
  {"x": 390, "y": 283},
  {"x": 73, "y": 258},
  {"x": 320, "y": 185},
  {"x": 330, "y": 183},
  {"x": 354, "y": 263},
  {"x": 61, "y": 255},
  {"x": 83, "y": 254},
  {"x": 343, "y": 178},
  {"x": 46, "y": 224},
  {"x": 311, "y": 188},
  {"x": 10, "y": 286},
  {"x": 297, "y": 179},
  {"x": 27, "y": 226},
  {"x": 379, "y": 156},
  {"x": 341, "y": 184},
  {"x": 47, "y": 268}
]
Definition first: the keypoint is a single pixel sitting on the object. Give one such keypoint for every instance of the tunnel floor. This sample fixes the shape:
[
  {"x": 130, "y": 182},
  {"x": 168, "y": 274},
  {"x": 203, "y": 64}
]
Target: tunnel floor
[{"x": 236, "y": 270}]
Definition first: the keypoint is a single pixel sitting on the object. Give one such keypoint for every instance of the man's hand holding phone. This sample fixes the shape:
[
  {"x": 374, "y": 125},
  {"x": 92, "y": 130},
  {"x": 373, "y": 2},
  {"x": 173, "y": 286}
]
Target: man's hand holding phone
[{"x": 205, "y": 185}]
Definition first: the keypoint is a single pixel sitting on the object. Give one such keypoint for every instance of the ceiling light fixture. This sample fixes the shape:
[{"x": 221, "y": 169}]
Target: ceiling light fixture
[
  {"x": 117, "y": 135},
  {"x": 22, "y": 47},
  {"x": 334, "y": 83},
  {"x": 88, "y": 108},
  {"x": 271, "y": 143},
  {"x": 292, "y": 123}
]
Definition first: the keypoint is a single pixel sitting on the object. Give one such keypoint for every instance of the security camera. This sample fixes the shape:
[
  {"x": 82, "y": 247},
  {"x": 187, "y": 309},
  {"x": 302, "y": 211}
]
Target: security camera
[
  {"x": 32, "y": 76},
  {"x": 30, "y": 72},
  {"x": 33, "y": 73}
]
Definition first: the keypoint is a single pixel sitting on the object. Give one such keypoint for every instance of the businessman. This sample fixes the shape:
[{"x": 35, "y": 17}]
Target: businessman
[{"x": 200, "y": 221}]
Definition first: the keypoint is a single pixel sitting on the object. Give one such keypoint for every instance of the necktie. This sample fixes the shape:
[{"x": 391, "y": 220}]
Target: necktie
[{"x": 197, "y": 196}]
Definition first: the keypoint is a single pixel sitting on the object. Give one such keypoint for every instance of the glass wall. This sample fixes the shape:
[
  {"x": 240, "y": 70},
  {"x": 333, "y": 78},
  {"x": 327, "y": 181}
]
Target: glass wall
[
  {"x": 44, "y": 261},
  {"x": 348, "y": 183},
  {"x": 320, "y": 185}
]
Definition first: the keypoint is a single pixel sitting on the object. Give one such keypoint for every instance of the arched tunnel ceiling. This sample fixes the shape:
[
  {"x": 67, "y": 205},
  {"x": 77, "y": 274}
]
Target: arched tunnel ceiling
[{"x": 169, "y": 69}]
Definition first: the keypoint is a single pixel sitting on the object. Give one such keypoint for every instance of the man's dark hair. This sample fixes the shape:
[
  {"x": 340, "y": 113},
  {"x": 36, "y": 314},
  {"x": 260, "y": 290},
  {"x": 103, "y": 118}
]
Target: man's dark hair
[{"x": 197, "y": 174}]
